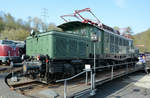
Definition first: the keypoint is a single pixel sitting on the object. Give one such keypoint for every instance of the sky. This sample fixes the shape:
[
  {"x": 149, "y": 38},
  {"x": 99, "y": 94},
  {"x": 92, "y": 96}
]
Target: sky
[{"x": 121, "y": 13}]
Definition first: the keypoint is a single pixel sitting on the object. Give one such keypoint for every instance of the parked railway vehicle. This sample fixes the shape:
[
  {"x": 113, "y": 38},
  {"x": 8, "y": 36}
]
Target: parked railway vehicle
[
  {"x": 54, "y": 54},
  {"x": 8, "y": 51},
  {"x": 22, "y": 47}
]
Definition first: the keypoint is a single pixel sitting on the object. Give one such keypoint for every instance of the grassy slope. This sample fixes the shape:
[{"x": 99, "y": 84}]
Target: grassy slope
[{"x": 143, "y": 38}]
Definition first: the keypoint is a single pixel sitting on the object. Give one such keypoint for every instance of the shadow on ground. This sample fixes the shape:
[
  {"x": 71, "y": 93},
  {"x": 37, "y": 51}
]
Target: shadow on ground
[{"x": 123, "y": 88}]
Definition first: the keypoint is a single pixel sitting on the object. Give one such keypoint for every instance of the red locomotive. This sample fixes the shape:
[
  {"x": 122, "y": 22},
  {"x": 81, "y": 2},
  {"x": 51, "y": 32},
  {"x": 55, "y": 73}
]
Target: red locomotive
[{"x": 9, "y": 51}]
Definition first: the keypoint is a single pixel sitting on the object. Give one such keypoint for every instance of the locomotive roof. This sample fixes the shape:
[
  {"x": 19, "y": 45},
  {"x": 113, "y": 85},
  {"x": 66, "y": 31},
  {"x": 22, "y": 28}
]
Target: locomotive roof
[
  {"x": 76, "y": 24},
  {"x": 72, "y": 24}
]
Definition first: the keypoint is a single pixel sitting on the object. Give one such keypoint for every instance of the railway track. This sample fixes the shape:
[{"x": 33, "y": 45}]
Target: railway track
[
  {"x": 8, "y": 69},
  {"x": 30, "y": 87},
  {"x": 26, "y": 86},
  {"x": 4, "y": 69}
]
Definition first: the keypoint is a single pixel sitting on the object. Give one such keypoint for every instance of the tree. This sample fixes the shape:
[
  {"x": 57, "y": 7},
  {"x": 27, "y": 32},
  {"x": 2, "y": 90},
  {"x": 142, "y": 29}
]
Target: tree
[
  {"x": 126, "y": 30},
  {"x": 52, "y": 26},
  {"x": 9, "y": 21},
  {"x": 129, "y": 30},
  {"x": 2, "y": 25},
  {"x": 116, "y": 28},
  {"x": 37, "y": 23},
  {"x": 15, "y": 34},
  {"x": 13, "y": 29}
]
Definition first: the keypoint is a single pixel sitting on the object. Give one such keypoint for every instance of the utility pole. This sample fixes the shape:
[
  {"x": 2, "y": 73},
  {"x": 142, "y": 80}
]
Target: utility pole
[{"x": 44, "y": 15}]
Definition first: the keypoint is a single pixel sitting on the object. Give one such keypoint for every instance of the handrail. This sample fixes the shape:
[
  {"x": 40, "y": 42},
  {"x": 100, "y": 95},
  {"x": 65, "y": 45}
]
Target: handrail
[
  {"x": 112, "y": 65},
  {"x": 92, "y": 76},
  {"x": 90, "y": 70},
  {"x": 65, "y": 81},
  {"x": 72, "y": 76}
]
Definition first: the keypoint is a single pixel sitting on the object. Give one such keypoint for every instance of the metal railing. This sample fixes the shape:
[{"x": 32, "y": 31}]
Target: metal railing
[
  {"x": 92, "y": 80},
  {"x": 67, "y": 79}
]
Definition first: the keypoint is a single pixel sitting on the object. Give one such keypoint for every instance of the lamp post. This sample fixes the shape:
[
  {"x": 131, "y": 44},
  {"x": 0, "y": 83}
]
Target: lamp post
[{"x": 94, "y": 40}]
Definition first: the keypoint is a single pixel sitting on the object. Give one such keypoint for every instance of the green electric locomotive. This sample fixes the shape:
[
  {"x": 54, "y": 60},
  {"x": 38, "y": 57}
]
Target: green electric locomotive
[{"x": 54, "y": 54}]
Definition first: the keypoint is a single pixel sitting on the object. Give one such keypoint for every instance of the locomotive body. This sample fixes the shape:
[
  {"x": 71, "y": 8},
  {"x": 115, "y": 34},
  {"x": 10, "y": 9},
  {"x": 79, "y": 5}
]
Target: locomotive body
[
  {"x": 55, "y": 54},
  {"x": 8, "y": 50},
  {"x": 77, "y": 43}
]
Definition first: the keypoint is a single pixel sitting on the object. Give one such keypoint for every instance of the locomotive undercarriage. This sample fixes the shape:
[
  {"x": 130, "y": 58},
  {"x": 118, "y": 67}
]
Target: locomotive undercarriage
[{"x": 51, "y": 70}]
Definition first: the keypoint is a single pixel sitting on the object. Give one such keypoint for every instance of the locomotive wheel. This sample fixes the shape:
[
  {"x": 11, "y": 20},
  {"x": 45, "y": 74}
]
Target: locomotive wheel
[{"x": 69, "y": 70}]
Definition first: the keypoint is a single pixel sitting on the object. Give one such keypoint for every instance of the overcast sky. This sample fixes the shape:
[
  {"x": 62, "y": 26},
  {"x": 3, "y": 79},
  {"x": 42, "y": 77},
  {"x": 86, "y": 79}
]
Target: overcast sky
[{"x": 122, "y": 13}]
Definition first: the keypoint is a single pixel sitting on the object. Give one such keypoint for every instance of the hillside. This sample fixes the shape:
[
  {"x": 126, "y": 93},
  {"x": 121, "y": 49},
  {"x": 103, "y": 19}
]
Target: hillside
[
  {"x": 143, "y": 41},
  {"x": 13, "y": 29},
  {"x": 18, "y": 29}
]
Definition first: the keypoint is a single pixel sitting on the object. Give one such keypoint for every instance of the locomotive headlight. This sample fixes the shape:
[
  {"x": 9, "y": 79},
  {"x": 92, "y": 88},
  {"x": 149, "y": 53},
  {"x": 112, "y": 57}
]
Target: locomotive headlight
[{"x": 94, "y": 37}]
